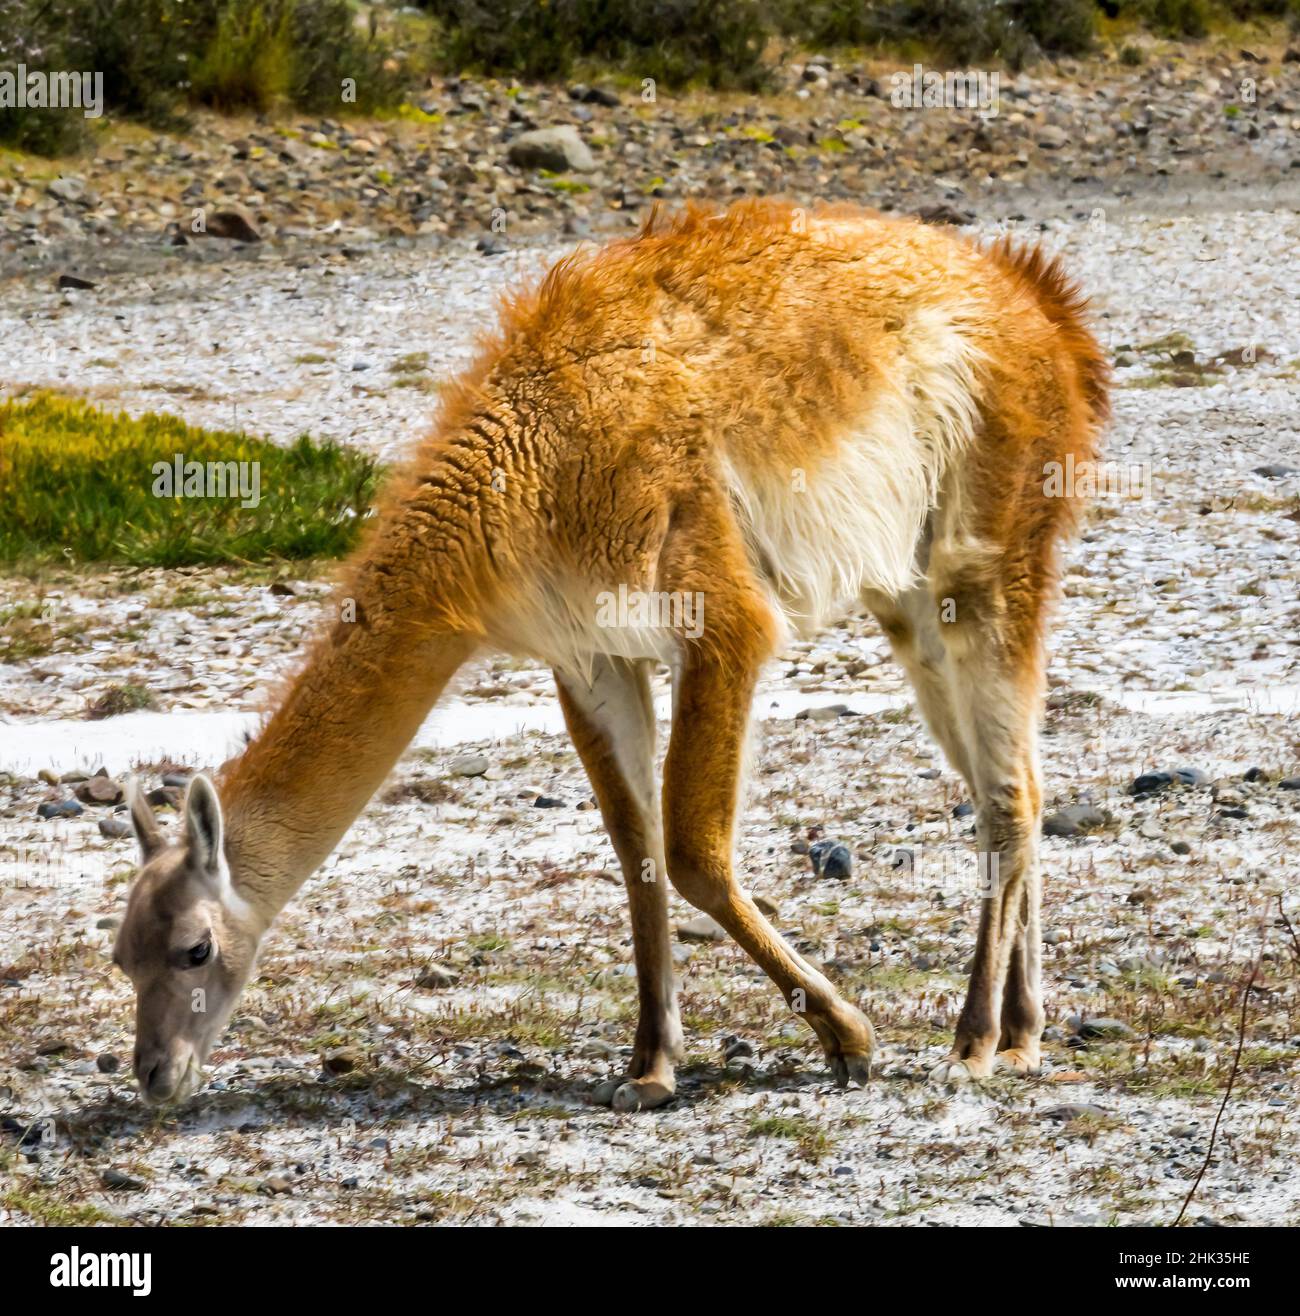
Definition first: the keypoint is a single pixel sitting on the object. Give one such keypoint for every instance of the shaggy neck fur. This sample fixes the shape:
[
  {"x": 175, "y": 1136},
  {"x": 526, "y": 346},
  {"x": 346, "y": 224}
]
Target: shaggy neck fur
[{"x": 401, "y": 629}]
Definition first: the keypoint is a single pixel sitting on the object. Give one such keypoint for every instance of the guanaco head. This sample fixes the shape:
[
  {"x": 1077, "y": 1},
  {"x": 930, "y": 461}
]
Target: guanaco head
[{"x": 187, "y": 943}]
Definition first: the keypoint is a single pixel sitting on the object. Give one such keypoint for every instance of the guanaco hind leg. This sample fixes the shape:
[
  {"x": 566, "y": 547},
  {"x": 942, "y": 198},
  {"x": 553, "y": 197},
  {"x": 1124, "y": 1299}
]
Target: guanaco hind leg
[
  {"x": 701, "y": 782},
  {"x": 611, "y": 720},
  {"x": 993, "y": 671}
]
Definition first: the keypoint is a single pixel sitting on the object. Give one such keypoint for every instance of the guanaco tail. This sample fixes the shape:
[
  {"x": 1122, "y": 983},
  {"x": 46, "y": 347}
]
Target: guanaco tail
[{"x": 778, "y": 414}]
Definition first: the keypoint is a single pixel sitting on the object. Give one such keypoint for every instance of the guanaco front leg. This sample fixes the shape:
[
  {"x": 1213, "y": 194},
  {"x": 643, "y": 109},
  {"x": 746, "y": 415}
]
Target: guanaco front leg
[
  {"x": 701, "y": 782},
  {"x": 612, "y": 724}
]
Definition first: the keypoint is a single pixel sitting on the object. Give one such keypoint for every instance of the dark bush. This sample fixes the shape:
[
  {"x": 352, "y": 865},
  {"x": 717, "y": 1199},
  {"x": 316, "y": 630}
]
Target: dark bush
[
  {"x": 157, "y": 56},
  {"x": 719, "y": 42},
  {"x": 959, "y": 31},
  {"x": 1169, "y": 18}
]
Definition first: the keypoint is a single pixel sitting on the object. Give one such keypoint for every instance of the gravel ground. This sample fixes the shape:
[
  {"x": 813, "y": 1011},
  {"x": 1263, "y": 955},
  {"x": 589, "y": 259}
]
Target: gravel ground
[{"x": 358, "y": 1083}]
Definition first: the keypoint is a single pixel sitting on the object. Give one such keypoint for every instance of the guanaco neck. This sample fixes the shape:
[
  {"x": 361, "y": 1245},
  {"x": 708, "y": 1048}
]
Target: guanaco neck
[{"x": 407, "y": 616}]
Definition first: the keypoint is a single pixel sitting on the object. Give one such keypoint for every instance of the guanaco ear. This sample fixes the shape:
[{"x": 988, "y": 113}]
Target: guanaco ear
[
  {"x": 203, "y": 825},
  {"x": 147, "y": 831}
]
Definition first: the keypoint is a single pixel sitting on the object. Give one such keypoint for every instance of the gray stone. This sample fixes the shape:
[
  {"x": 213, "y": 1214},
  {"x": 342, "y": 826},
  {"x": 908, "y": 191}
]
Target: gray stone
[
  {"x": 558, "y": 149},
  {"x": 702, "y": 928},
  {"x": 831, "y": 859}
]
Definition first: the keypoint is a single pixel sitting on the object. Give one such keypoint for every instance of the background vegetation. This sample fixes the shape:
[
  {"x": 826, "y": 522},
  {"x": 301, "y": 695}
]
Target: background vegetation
[
  {"x": 76, "y": 485},
  {"x": 161, "y": 56}
]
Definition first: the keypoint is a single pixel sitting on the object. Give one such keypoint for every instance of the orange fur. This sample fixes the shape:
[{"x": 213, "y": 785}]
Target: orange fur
[{"x": 779, "y": 412}]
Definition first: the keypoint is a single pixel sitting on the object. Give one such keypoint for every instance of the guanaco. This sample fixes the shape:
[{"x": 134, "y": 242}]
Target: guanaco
[{"x": 778, "y": 413}]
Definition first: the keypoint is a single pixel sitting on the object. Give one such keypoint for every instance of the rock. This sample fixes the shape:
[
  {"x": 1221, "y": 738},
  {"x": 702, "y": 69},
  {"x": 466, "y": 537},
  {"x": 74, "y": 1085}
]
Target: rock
[
  {"x": 831, "y": 859},
  {"x": 1072, "y": 821},
  {"x": 1071, "y": 1110},
  {"x": 276, "y": 1186},
  {"x": 49, "y": 777},
  {"x": 741, "y": 1066},
  {"x": 75, "y": 282},
  {"x": 594, "y": 95},
  {"x": 1059, "y": 824},
  {"x": 736, "y": 1047},
  {"x": 827, "y": 713},
  {"x": 99, "y": 790},
  {"x": 1180, "y": 847},
  {"x": 68, "y": 187},
  {"x": 558, "y": 149},
  {"x": 767, "y": 906},
  {"x": 1109, "y": 1029},
  {"x": 107, "y": 1063},
  {"x": 1151, "y": 782},
  {"x": 114, "y": 828},
  {"x": 233, "y": 225},
  {"x": 434, "y": 976},
  {"x": 963, "y": 810},
  {"x": 490, "y": 245},
  {"x": 1276, "y": 471},
  {"x": 1290, "y": 784},
  {"x": 1051, "y": 138},
  {"x": 120, "y": 1181},
  {"x": 702, "y": 928},
  {"x": 59, "y": 809},
  {"x": 942, "y": 213},
  {"x": 547, "y": 802},
  {"x": 469, "y": 765},
  {"x": 109, "y": 923},
  {"x": 166, "y": 797},
  {"x": 342, "y": 1061}
]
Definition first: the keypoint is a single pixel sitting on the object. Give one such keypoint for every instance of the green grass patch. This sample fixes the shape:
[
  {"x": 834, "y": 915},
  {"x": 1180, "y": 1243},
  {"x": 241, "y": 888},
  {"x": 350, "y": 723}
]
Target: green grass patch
[
  {"x": 45, "y": 1209},
  {"x": 809, "y": 1137},
  {"x": 82, "y": 485},
  {"x": 119, "y": 699}
]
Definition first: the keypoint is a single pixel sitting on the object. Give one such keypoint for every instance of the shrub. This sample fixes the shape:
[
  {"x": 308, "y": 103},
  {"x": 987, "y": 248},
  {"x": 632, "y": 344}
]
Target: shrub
[
  {"x": 719, "y": 42},
  {"x": 300, "y": 51},
  {"x": 246, "y": 63},
  {"x": 156, "y": 56},
  {"x": 80, "y": 484},
  {"x": 959, "y": 31},
  {"x": 1171, "y": 18}
]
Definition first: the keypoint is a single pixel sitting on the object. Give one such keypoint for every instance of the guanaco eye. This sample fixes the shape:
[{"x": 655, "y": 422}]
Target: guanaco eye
[{"x": 199, "y": 954}]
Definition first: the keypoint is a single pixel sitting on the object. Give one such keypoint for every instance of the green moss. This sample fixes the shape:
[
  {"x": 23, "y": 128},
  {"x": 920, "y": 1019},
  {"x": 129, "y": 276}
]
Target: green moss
[
  {"x": 78, "y": 484},
  {"x": 43, "y": 1209}
]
